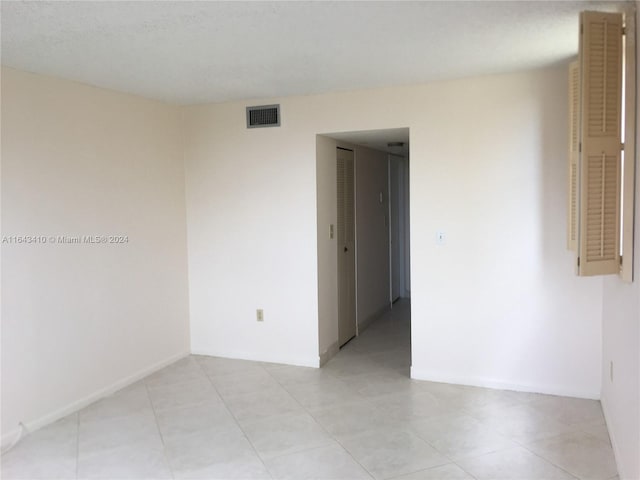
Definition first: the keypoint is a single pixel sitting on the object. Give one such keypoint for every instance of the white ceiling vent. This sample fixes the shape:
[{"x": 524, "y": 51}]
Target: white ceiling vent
[{"x": 263, "y": 116}]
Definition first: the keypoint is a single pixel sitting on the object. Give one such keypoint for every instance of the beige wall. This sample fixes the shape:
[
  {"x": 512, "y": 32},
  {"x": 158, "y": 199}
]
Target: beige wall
[
  {"x": 80, "y": 320},
  {"x": 487, "y": 167}
]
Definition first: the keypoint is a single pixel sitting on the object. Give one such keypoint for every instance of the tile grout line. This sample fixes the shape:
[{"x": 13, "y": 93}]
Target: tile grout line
[
  {"x": 320, "y": 425},
  {"x": 332, "y": 437},
  {"x": 551, "y": 463},
  {"x": 77, "y": 443},
  {"x": 155, "y": 416},
  {"x": 523, "y": 445},
  {"x": 451, "y": 459},
  {"x": 244, "y": 434}
]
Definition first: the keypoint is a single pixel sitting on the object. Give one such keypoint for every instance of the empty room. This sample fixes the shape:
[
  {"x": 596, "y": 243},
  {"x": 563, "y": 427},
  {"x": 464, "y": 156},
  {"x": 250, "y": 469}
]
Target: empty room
[{"x": 332, "y": 240}]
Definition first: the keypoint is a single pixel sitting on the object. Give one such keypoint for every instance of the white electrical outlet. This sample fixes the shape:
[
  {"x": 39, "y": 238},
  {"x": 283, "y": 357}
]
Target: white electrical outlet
[{"x": 260, "y": 315}]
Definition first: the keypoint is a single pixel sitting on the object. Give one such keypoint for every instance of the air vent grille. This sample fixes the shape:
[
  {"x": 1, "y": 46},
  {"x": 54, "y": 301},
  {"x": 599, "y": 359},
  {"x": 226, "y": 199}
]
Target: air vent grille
[{"x": 263, "y": 116}]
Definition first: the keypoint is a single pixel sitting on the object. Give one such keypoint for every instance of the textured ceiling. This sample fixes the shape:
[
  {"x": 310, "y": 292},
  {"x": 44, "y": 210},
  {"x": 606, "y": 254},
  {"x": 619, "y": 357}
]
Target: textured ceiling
[{"x": 197, "y": 52}]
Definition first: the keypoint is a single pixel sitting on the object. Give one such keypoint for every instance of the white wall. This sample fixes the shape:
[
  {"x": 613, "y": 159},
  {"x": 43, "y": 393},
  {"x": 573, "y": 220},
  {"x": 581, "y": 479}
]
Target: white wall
[
  {"x": 81, "y": 320},
  {"x": 251, "y": 236},
  {"x": 372, "y": 233},
  {"x": 498, "y": 305},
  {"x": 621, "y": 345}
]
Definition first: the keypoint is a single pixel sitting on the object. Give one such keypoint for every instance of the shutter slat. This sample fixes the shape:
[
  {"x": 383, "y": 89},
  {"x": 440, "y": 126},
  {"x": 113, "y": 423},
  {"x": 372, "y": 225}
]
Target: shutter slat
[{"x": 599, "y": 163}]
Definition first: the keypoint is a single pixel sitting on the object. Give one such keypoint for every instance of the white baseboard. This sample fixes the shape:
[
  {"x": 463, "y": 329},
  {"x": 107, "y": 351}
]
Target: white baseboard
[
  {"x": 329, "y": 353},
  {"x": 430, "y": 376},
  {"x": 32, "y": 425},
  {"x": 283, "y": 359}
]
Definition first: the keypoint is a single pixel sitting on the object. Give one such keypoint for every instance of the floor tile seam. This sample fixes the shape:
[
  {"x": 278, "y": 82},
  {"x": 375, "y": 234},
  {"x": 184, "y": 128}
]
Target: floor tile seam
[
  {"x": 342, "y": 385},
  {"x": 602, "y": 442},
  {"x": 325, "y": 430},
  {"x": 366, "y": 470},
  {"x": 270, "y": 458},
  {"x": 497, "y": 431},
  {"x": 244, "y": 434},
  {"x": 77, "y": 442},
  {"x": 408, "y": 430},
  {"x": 311, "y": 449},
  {"x": 203, "y": 403},
  {"x": 307, "y": 411},
  {"x": 164, "y": 447},
  {"x": 464, "y": 470},
  {"x": 396, "y": 477},
  {"x": 340, "y": 380},
  {"x": 559, "y": 419},
  {"x": 455, "y": 460},
  {"x": 404, "y": 428},
  {"x": 447, "y": 462},
  {"x": 399, "y": 477},
  {"x": 275, "y": 379},
  {"x": 548, "y": 460},
  {"x": 534, "y": 413},
  {"x": 594, "y": 437},
  {"x": 573, "y": 432},
  {"x": 159, "y": 386}
]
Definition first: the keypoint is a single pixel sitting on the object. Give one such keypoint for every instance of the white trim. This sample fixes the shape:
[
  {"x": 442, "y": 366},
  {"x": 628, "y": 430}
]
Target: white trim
[
  {"x": 429, "y": 376},
  {"x": 73, "y": 407},
  {"x": 329, "y": 353},
  {"x": 295, "y": 361}
]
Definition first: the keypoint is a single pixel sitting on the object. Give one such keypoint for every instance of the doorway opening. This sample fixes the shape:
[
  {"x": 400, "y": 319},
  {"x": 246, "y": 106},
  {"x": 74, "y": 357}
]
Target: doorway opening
[{"x": 374, "y": 195}]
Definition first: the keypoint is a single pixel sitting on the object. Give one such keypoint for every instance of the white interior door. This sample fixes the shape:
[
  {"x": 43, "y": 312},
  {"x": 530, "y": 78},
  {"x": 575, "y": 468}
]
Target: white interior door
[{"x": 346, "y": 247}]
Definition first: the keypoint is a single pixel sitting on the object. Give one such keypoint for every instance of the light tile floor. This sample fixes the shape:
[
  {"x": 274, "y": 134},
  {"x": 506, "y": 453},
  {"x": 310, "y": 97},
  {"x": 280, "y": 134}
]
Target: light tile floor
[{"x": 358, "y": 417}]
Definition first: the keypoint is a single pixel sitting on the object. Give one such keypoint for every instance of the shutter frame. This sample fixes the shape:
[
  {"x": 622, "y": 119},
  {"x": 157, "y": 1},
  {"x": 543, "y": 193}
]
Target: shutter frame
[
  {"x": 599, "y": 159},
  {"x": 626, "y": 269}
]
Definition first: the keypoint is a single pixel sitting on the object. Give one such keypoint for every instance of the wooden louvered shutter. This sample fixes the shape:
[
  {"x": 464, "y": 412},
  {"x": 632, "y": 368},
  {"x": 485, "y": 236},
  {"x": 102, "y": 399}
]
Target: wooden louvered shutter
[
  {"x": 574, "y": 145},
  {"x": 601, "y": 104}
]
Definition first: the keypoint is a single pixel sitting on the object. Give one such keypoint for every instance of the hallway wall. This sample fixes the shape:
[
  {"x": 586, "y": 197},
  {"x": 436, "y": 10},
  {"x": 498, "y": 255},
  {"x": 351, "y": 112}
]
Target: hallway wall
[{"x": 372, "y": 234}]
